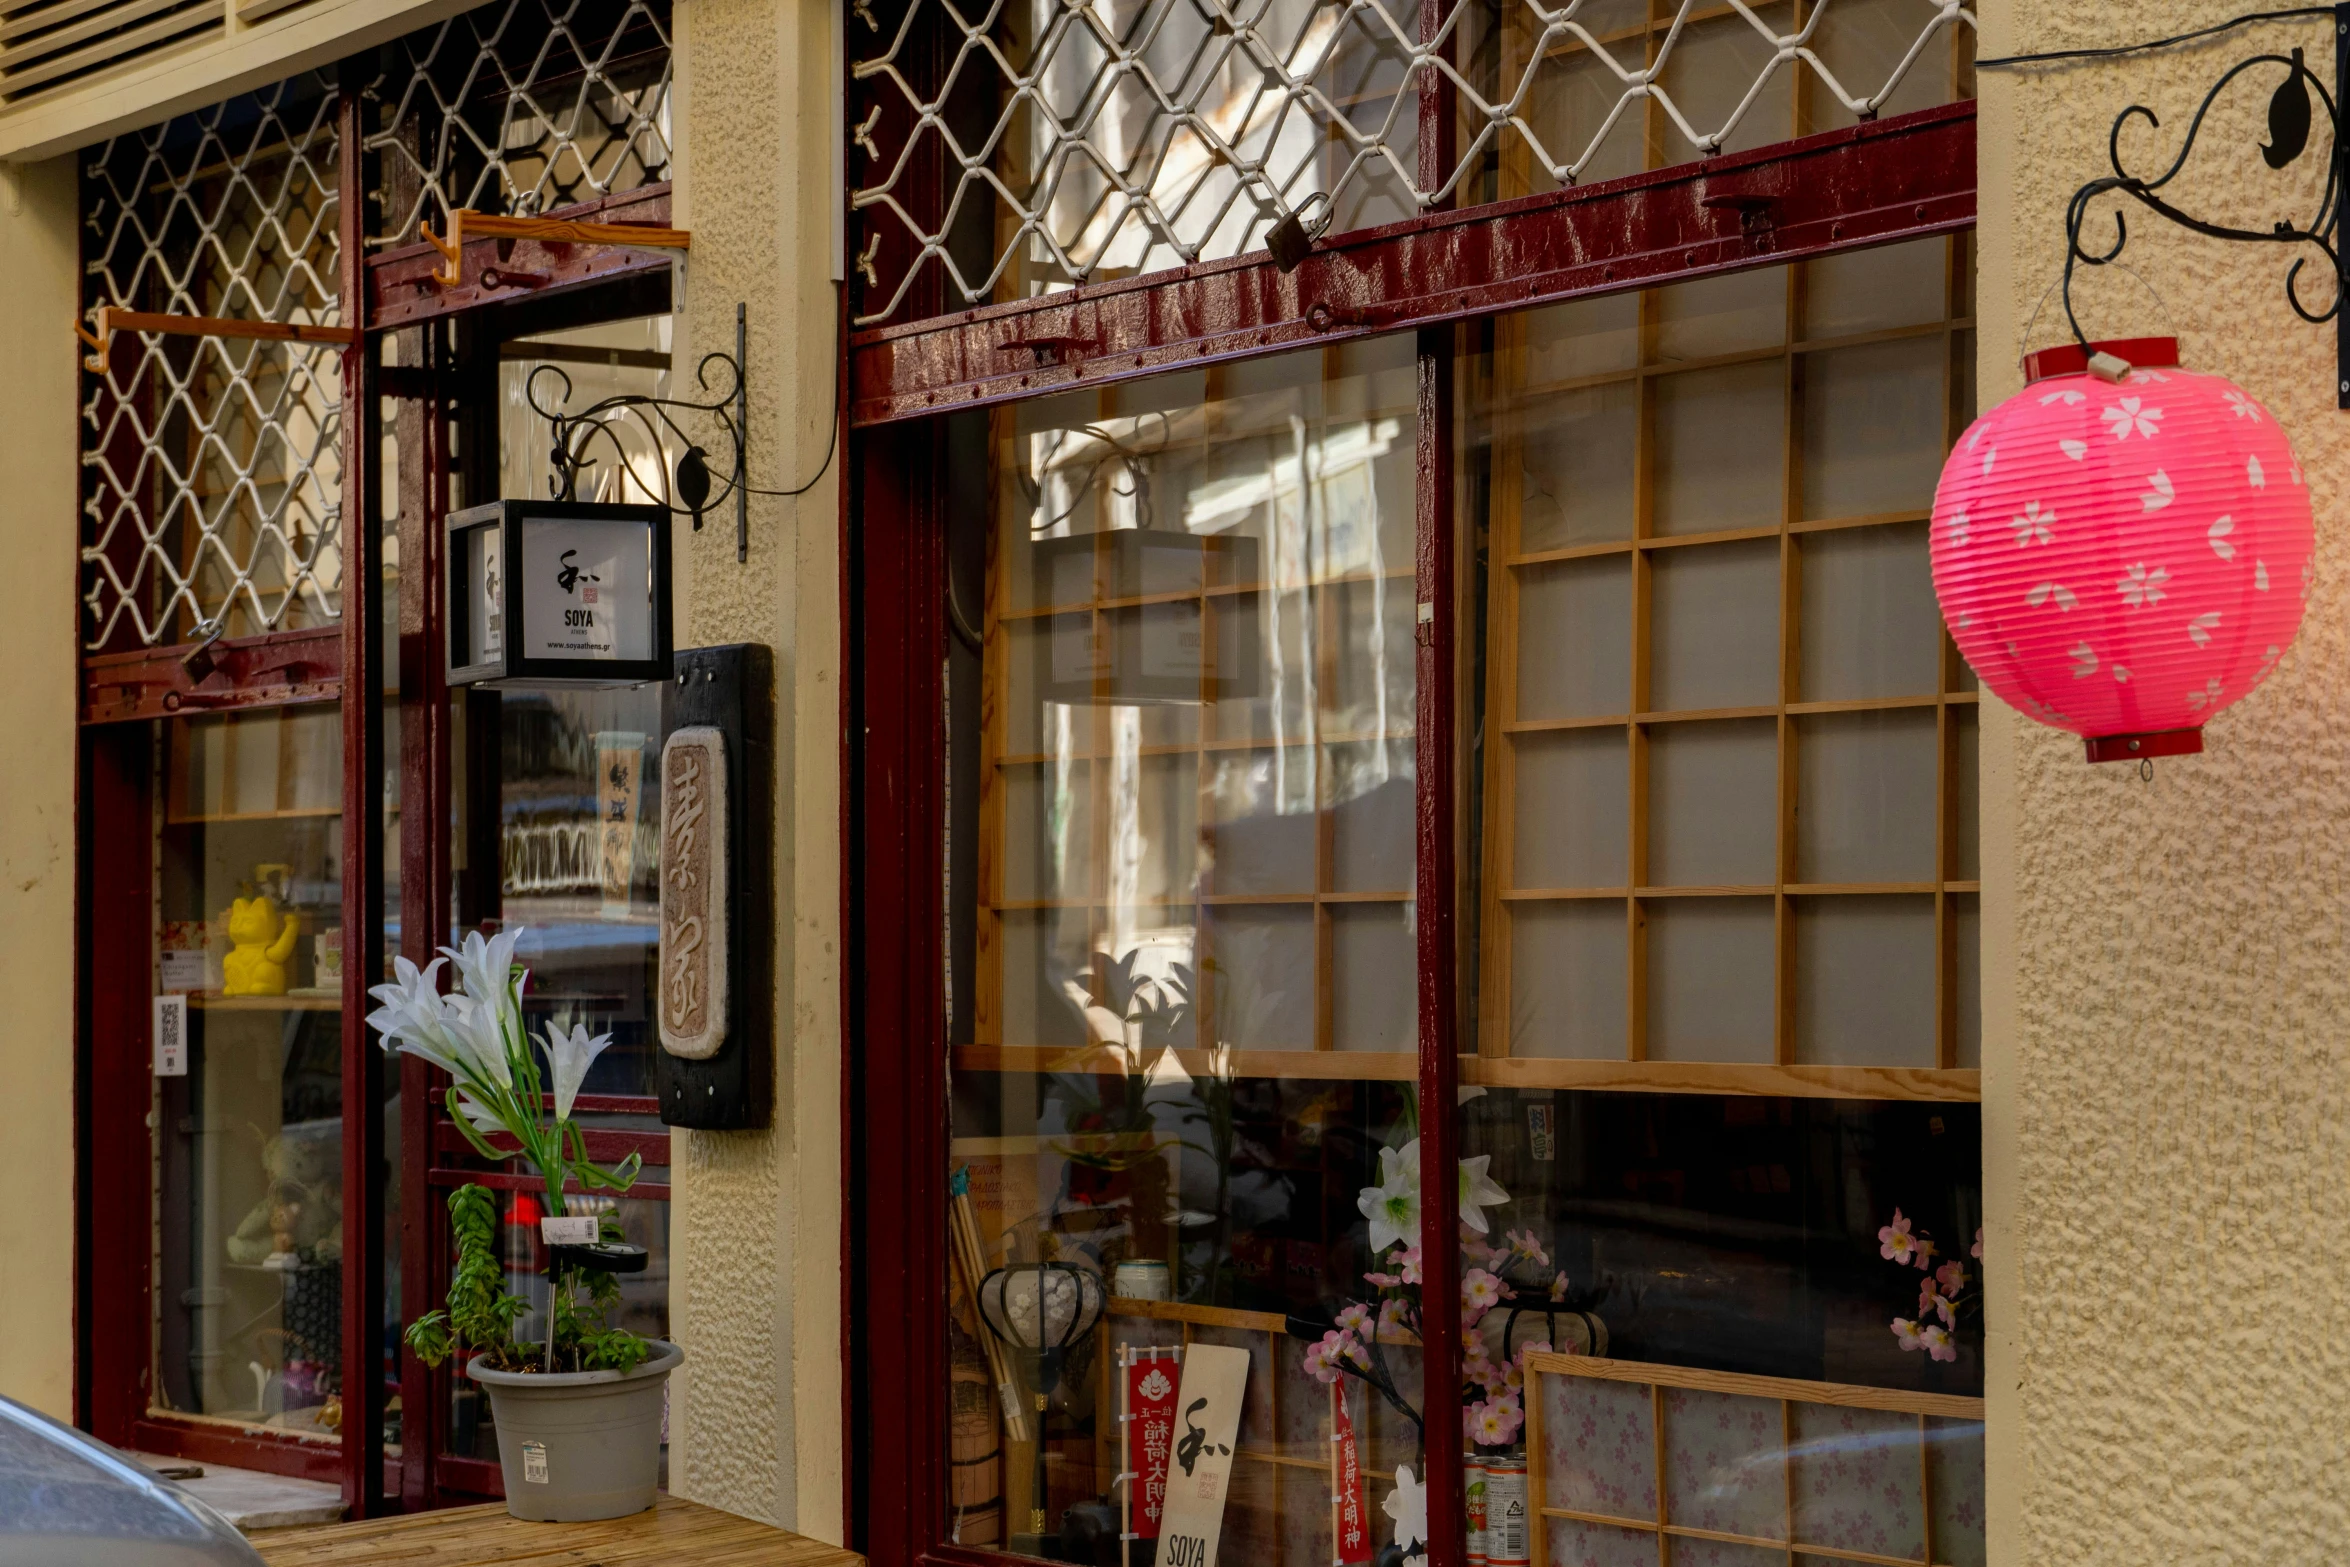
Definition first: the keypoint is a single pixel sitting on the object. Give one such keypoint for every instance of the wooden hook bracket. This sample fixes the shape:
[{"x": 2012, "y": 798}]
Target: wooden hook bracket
[
  {"x": 465, "y": 223},
  {"x": 113, "y": 318}
]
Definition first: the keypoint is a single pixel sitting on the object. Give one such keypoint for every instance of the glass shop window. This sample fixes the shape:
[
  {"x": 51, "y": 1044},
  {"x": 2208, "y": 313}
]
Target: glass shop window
[
  {"x": 1182, "y": 968},
  {"x": 1724, "y": 770},
  {"x": 249, "y": 1130},
  {"x": 565, "y": 788}
]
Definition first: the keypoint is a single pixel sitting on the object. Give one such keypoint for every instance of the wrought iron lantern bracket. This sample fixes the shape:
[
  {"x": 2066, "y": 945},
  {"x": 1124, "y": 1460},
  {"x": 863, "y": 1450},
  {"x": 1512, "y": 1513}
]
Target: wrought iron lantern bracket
[
  {"x": 2292, "y": 115},
  {"x": 686, "y": 488}
]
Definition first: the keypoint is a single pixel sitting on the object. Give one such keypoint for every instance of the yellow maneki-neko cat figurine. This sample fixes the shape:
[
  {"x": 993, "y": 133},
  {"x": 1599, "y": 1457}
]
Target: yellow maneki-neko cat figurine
[{"x": 261, "y": 942}]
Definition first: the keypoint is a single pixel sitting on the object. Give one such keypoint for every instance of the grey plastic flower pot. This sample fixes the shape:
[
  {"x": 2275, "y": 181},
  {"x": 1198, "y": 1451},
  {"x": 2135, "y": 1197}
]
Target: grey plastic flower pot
[{"x": 580, "y": 1445}]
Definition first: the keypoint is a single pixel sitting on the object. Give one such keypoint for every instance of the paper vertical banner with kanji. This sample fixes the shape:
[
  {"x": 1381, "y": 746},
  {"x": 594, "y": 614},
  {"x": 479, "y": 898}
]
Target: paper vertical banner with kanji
[
  {"x": 1207, "y": 1424},
  {"x": 620, "y": 758},
  {"x": 1150, "y": 1437},
  {"x": 1353, "y": 1538}
]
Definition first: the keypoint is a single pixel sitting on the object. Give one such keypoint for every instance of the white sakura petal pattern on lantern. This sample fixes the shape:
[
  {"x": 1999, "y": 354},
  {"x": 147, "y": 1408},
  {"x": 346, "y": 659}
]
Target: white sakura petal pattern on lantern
[
  {"x": 2241, "y": 406},
  {"x": 2218, "y": 533},
  {"x": 2260, "y": 575},
  {"x": 2032, "y": 526},
  {"x": 2208, "y": 696},
  {"x": 2141, "y": 588},
  {"x": 2202, "y": 626},
  {"x": 1990, "y": 454},
  {"x": 2161, "y": 495},
  {"x": 2268, "y": 659},
  {"x": 2296, "y": 472},
  {"x": 2121, "y": 674},
  {"x": 1958, "y": 526},
  {"x": 2048, "y": 590},
  {"x": 2084, "y": 659},
  {"x": 2067, "y": 396},
  {"x": 2130, "y": 413},
  {"x": 2142, "y": 377},
  {"x": 2076, "y": 450},
  {"x": 2255, "y": 473}
]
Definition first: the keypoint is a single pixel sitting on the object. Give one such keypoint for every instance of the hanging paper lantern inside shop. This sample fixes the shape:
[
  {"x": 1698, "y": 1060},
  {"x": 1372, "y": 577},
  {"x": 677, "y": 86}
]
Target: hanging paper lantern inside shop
[{"x": 2123, "y": 558}]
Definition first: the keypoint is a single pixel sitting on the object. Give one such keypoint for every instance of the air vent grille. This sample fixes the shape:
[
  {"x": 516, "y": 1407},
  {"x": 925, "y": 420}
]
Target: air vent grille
[{"x": 45, "y": 47}]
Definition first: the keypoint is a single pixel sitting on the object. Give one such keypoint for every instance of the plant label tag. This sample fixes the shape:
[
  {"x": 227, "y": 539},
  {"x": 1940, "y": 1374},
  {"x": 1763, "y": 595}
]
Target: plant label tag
[
  {"x": 171, "y": 1036},
  {"x": 534, "y": 1463},
  {"x": 1207, "y": 1425},
  {"x": 578, "y": 1231}
]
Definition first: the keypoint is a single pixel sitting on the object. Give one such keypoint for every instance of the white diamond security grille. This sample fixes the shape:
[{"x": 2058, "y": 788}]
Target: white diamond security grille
[
  {"x": 520, "y": 107},
  {"x": 1018, "y": 146},
  {"x": 212, "y": 477}
]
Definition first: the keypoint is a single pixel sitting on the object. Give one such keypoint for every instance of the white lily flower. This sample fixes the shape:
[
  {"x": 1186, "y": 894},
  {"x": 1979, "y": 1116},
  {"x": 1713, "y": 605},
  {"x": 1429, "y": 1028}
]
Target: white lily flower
[
  {"x": 485, "y": 1120},
  {"x": 570, "y": 1056},
  {"x": 476, "y": 1026},
  {"x": 1479, "y": 1192},
  {"x": 1393, "y": 1206},
  {"x": 486, "y": 966},
  {"x": 414, "y": 1016}
]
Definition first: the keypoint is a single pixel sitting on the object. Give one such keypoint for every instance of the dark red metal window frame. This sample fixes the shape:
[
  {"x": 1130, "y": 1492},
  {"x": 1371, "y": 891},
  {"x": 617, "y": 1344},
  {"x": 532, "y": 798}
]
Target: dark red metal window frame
[
  {"x": 121, "y": 693},
  {"x": 1872, "y": 184}
]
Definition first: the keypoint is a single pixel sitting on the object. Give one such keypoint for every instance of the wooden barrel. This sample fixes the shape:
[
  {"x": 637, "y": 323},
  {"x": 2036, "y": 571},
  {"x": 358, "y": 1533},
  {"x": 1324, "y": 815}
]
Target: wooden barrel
[{"x": 975, "y": 1467}]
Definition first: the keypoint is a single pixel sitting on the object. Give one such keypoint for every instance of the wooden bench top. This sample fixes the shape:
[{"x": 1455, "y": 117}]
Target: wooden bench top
[{"x": 674, "y": 1531}]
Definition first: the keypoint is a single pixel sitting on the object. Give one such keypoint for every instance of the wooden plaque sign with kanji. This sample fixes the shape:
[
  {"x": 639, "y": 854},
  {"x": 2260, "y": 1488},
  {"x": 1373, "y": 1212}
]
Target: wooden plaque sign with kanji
[{"x": 693, "y": 893}]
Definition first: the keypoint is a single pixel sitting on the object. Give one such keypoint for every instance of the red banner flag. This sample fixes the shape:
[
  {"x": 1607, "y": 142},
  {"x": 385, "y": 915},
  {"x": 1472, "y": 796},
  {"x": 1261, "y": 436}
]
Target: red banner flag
[
  {"x": 1150, "y": 1430},
  {"x": 1356, "y": 1540}
]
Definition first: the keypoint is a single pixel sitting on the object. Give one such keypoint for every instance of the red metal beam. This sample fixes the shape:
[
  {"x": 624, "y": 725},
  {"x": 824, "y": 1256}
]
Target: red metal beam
[
  {"x": 266, "y": 671},
  {"x": 1847, "y": 189},
  {"x": 364, "y": 1161},
  {"x": 401, "y": 290}
]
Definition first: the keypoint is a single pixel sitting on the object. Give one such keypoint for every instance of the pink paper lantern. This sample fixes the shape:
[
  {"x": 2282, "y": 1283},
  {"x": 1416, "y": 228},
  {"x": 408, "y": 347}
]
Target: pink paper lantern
[{"x": 2123, "y": 559}]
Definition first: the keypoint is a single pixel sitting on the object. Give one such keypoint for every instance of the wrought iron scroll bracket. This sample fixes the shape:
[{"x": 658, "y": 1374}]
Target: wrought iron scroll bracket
[
  {"x": 2291, "y": 117},
  {"x": 720, "y": 417}
]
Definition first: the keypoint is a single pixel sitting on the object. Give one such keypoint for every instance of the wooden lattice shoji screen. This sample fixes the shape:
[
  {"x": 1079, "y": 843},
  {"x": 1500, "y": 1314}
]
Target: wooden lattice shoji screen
[
  {"x": 1631, "y": 1465},
  {"x": 1728, "y": 751},
  {"x": 1256, "y": 828}
]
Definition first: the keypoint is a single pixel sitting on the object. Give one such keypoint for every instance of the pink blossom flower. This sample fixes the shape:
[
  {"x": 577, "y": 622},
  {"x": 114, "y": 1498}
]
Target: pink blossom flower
[
  {"x": 1905, "y": 1332},
  {"x": 1385, "y": 1281},
  {"x": 1540, "y": 1346},
  {"x": 1321, "y": 1360},
  {"x": 1952, "y": 1277},
  {"x": 1513, "y": 1375},
  {"x": 1930, "y": 1303},
  {"x": 1480, "y": 1292},
  {"x": 1353, "y": 1318},
  {"x": 1495, "y": 1421},
  {"x": 1411, "y": 1265},
  {"x": 1393, "y": 1316},
  {"x": 1523, "y": 1244},
  {"x": 1976, "y": 1251},
  {"x": 1558, "y": 1287},
  {"x": 1935, "y": 1339},
  {"x": 1896, "y": 1243}
]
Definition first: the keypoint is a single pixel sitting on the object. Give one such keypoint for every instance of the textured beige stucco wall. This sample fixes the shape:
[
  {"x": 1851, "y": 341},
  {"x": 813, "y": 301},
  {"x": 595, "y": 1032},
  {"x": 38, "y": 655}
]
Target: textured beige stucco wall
[
  {"x": 2166, "y": 1060},
  {"x": 37, "y": 681},
  {"x": 755, "y": 1293}
]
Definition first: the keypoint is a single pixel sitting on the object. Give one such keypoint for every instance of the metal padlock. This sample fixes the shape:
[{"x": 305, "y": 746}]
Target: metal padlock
[{"x": 1292, "y": 239}]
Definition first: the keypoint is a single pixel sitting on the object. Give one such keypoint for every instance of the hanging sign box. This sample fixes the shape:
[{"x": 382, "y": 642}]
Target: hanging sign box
[{"x": 558, "y": 593}]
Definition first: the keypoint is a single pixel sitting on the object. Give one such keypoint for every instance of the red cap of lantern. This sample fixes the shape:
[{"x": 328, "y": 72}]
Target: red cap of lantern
[{"x": 2123, "y": 558}]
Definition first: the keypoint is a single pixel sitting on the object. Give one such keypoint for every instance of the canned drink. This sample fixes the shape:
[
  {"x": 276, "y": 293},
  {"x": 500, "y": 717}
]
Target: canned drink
[
  {"x": 1508, "y": 1533},
  {"x": 1476, "y": 1491}
]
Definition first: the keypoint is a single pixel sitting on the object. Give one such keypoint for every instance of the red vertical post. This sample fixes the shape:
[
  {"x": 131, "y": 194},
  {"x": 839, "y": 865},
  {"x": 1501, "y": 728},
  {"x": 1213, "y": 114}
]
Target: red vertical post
[
  {"x": 117, "y": 1214},
  {"x": 1434, "y": 890},
  {"x": 898, "y": 1086},
  {"x": 424, "y": 871},
  {"x": 364, "y": 1164},
  {"x": 1435, "y": 887}
]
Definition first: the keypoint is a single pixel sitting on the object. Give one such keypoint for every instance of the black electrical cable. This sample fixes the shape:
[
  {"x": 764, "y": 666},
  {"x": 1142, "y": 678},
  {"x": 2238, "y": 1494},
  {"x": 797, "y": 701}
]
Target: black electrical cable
[
  {"x": 831, "y": 440},
  {"x": 2214, "y": 30}
]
